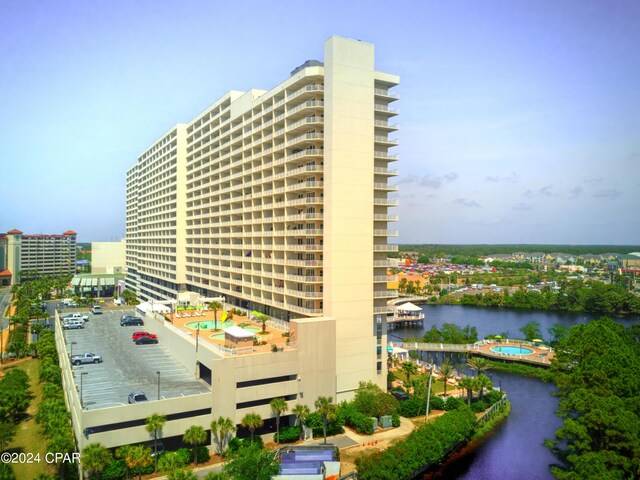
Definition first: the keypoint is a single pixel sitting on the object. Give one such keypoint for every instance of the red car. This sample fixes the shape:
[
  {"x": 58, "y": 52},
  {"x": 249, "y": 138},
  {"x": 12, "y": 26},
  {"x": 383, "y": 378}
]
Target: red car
[{"x": 137, "y": 335}]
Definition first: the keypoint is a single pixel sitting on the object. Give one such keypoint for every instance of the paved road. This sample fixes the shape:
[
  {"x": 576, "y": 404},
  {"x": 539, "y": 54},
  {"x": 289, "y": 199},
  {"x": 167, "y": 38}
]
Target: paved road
[{"x": 5, "y": 297}]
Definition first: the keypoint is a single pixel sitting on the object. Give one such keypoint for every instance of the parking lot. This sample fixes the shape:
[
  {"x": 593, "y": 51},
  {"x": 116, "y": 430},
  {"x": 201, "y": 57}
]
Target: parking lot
[{"x": 126, "y": 367}]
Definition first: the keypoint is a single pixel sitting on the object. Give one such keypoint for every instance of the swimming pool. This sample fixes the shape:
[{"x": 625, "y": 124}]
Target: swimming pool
[
  {"x": 512, "y": 350},
  {"x": 209, "y": 325}
]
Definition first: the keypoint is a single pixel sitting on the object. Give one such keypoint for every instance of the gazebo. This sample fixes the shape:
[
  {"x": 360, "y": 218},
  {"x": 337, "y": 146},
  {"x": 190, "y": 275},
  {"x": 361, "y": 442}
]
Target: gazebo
[{"x": 409, "y": 310}]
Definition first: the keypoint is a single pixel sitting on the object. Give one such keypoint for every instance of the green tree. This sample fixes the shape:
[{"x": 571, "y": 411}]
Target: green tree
[
  {"x": 182, "y": 475},
  {"x": 253, "y": 463},
  {"x": 558, "y": 333},
  {"x": 252, "y": 421},
  {"x": 478, "y": 364},
  {"x": 446, "y": 372},
  {"x": 328, "y": 410},
  {"x": 221, "y": 430},
  {"x": 7, "y": 432},
  {"x": 154, "y": 424},
  {"x": 137, "y": 457},
  {"x": 169, "y": 463},
  {"x": 195, "y": 436},
  {"x": 278, "y": 407},
  {"x": 596, "y": 371},
  {"x": 409, "y": 368},
  {"x": 469, "y": 384},
  {"x": 301, "y": 412},
  {"x": 483, "y": 382},
  {"x": 95, "y": 459},
  {"x": 215, "y": 306},
  {"x": 531, "y": 330}
]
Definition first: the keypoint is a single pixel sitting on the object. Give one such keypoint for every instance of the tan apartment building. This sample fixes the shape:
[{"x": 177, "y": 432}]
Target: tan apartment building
[
  {"x": 278, "y": 201},
  {"x": 21, "y": 254}
]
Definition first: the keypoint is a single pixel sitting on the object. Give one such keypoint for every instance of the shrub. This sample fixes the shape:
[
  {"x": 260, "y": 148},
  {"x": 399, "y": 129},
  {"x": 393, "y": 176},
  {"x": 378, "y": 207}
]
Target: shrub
[
  {"x": 395, "y": 420},
  {"x": 492, "y": 397},
  {"x": 360, "y": 422},
  {"x": 478, "y": 407},
  {"x": 436, "y": 403},
  {"x": 412, "y": 407},
  {"x": 236, "y": 443},
  {"x": 314, "y": 421},
  {"x": 288, "y": 435},
  {"x": 203, "y": 454},
  {"x": 452, "y": 403},
  {"x": 184, "y": 456},
  {"x": 116, "y": 470}
]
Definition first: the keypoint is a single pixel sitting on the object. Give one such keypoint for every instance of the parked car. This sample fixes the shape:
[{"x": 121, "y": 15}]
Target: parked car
[
  {"x": 76, "y": 316},
  {"x": 137, "y": 335},
  {"x": 137, "y": 397},
  {"x": 127, "y": 320},
  {"x": 73, "y": 324},
  {"x": 146, "y": 340},
  {"x": 86, "y": 358},
  {"x": 96, "y": 310}
]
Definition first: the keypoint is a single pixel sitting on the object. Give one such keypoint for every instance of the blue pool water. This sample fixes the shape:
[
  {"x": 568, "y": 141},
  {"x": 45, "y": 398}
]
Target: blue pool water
[
  {"x": 209, "y": 325},
  {"x": 509, "y": 350}
]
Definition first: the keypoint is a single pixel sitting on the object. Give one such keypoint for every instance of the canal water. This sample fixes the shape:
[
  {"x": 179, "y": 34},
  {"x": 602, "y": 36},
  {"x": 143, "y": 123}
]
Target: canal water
[{"x": 515, "y": 449}]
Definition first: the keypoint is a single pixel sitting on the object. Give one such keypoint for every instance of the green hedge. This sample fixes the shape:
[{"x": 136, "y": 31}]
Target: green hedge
[
  {"x": 426, "y": 445},
  {"x": 288, "y": 435}
]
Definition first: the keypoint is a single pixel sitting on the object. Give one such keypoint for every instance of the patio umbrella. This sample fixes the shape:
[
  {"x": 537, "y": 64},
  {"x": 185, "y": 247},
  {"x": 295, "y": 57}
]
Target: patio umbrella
[
  {"x": 497, "y": 336},
  {"x": 536, "y": 340}
]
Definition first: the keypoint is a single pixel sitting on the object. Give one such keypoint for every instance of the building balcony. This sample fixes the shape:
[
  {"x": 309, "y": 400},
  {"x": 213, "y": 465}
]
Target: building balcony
[
  {"x": 385, "y": 125},
  {"x": 385, "y": 156},
  {"x": 385, "y": 233},
  {"x": 385, "y": 248},
  {"x": 384, "y": 109},
  {"x": 385, "y": 218},
  {"x": 385, "y": 294},
  {"x": 386, "y": 187},
  {"x": 386, "y": 94},
  {"x": 392, "y": 172},
  {"x": 384, "y": 140},
  {"x": 385, "y": 202}
]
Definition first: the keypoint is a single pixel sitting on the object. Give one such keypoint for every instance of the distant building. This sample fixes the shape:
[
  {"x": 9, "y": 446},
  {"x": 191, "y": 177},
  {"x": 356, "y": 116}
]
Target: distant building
[
  {"x": 108, "y": 257},
  {"x": 21, "y": 254}
]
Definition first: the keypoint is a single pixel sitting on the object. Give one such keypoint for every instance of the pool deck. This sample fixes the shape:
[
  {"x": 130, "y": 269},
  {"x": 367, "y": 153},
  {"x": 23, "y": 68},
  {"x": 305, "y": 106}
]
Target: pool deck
[
  {"x": 273, "y": 335},
  {"x": 541, "y": 355}
]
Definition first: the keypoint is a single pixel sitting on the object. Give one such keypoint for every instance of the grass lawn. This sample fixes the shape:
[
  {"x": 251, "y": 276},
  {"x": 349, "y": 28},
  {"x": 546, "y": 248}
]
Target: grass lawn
[
  {"x": 437, "y": 385},
  {"x": 28, "y": 438}
]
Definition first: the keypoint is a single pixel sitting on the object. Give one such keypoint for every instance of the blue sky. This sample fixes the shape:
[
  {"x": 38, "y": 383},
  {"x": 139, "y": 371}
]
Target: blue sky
[{"x": 520, "y": 120}]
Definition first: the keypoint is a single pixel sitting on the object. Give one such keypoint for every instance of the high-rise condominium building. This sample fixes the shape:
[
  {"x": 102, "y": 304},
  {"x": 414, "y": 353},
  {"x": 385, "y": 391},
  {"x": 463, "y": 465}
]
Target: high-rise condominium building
[
  {"x": 22, "y": 255},
  {"x": 278, "y": 200}
]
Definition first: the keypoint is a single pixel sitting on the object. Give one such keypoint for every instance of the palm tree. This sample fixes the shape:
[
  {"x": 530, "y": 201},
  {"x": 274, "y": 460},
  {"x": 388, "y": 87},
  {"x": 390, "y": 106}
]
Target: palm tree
[
  {"x": 252, "y": 421},
  {"x": 154, "y": 423},
  {"x": 137, "y": 457},
  {"x": 409, "y": 368},
  {"x": 326, "y": 408},
  {"x": 483, "y": 382},
  {"x": 446, "y": 372},
  {"x": 215, "y": 306},
  {"x": 122, "y": 453},
  {"x": 221, "y": 429},
  {"x": 469, "y": 384},
  {"x": 478, "y": 364},
  {"x": 278, "y": 407},
  {"x": 302, "y": 412},
  {"x": 95, "y": 458},
  {"x": 195, "y": 436},
  {"x": 169, "y": 463}
]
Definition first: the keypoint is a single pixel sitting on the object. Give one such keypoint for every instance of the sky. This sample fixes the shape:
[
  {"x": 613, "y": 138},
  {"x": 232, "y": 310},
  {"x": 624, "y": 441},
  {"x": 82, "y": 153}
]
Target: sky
[{"x": 519, "y": 120}]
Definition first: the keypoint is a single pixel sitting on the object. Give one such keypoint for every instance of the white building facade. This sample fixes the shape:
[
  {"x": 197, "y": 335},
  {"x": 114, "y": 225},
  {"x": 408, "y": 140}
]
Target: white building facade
[{"x": 278, "y": 201}]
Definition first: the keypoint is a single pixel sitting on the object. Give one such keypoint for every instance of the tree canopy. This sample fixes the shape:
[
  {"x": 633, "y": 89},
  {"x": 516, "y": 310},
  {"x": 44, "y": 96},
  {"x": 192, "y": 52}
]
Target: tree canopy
[{"x": 596, "y": 370}]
